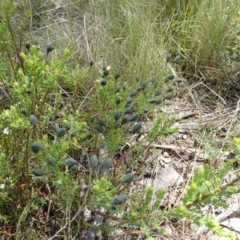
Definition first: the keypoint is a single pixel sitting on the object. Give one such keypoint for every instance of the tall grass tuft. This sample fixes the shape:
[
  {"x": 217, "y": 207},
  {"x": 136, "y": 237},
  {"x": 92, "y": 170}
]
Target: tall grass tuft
[
  {"x": 200, "y": 29},
  {"x": 138, "y": 34}
]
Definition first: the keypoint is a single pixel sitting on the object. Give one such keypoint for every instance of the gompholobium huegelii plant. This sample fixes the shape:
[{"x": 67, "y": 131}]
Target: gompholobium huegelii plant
[
  {"x": 63, "y": 145},
  {"x": 50, "y": 143}
]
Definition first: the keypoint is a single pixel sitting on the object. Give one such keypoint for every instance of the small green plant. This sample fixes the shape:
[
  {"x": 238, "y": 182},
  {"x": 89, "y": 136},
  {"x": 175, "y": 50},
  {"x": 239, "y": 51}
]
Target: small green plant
[
  {"x": 62, "y": 131},
  {"x": 50, "y": 131},
  {"x": 207, "y": 188}
]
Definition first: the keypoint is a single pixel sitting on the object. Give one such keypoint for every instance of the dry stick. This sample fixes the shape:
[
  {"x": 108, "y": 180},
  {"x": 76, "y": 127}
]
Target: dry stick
[
  {"x": 133, "y": 232},
  {"x": 73, "y": 219},
  {"x": 187, "y": 184},
  {"x": 48, "y": 211},
  {"x": 220, "y": 218},
  {"x": 6, "y": 91},
  {"x": 234, "y": 118},
  {"x": 137, "y": 171},
  {"x": 177, "y": 199},
  {"x": 85, "y": 98},
  {"x": 64, "y": 91},
  {"x": 220, "y": 98},
  {"x": 180, "y": 149},
  {"x": 14, "y": 45},
  {"x": 122, "y": 189},
  {"x": 85, "y": 36},
  {"x": 75, "y": 216},
  {"x": 107, "y": 216},
  {"x": 186, "y": 87},
  {"x": 129, "y": 151},
  {"x": 3, "y": 232}
]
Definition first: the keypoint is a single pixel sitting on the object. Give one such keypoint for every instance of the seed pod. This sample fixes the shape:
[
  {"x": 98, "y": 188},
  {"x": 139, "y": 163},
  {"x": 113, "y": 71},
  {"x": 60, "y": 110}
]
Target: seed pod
[
  {"x": 128, "y": 110},
  {"x": 133, "y": 117},
  {"x": 7, "y": 107},
  {"x": 170, "y": 89},
  {"x": 169, "y": 77},
  {"x": 153, "y": 79},
  {"x": 137, "y": 78},
  {"x": 143, "y": 85},
  {"x": 176, "y": 59},
  {"x": 128, "y": 178},
  {"x": 129, "y": 100},
  {"x": 145, "y": 111},
  {"x": 117, "y": 76},
  {"x": 127, "y": 105},
  {"x": 118, "y": 100},
  {"x": 23, "y": 111},
  {"x": 68, "y": 126},
  {"x": 70, "y": 162},
  {"x": 118, "y": 89},
  {"x": 50, "y": 47},
  {"x": 99, "y": 128},
  {"x": 103, "y": 82},
  {"x": 105, "y": 72},
  {"x": 38, "y": 172},
  {"x": 158, "y": 101},
  {"x": 113, "y": 207},
  {"x": 139, "y": 89},
  {"x": 168, "y": 57},
  {"x": 152, "y": 101},
  {"x": 27, "y": 45},
  {"x": 108, "y": 163},
  {"x": 178, "y": 80},
  {"x": 102, "y": 122},
  {"x": 117, "y": 116},
  {"x": 91, "y": 63},
  {"x": 169, "y": 96},
  {"x": 119, "y": 199},
  {"x": 13, "y": 159},
  {"x": 158, "y": 92},
  {"x": 133, "y": 93},
  {"x": 33, "y": 120},
  {"x": 55, "y": 127},
  {"x": 136, "y": 127},
  {"x": 94, "y": 161},
  {"x": 73, "y": 133},
  {"x": 36, "y": 147},
  {"x": 74, "y": 168},
  {"x": 61, "y": 132},
  {"x": 51, "y": 161},
  {"x": 28, "y": 91},
  {"x": 125, "y": 120}
]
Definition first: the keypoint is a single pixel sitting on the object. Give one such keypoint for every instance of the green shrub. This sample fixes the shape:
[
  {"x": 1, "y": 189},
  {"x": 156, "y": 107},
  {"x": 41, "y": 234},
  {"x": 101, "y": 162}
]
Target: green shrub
[{"x": 62, "y": 130}]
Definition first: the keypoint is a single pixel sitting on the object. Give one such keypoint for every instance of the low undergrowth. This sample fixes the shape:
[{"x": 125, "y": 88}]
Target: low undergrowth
[{"x": 63, "y": 126}]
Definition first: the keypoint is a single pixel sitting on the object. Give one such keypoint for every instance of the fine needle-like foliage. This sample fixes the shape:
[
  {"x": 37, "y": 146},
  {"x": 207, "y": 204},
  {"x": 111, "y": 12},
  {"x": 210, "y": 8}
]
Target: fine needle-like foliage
[{"x": 67, "y": 113}]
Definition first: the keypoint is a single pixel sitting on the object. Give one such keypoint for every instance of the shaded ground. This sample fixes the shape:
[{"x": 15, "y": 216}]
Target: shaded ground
[{"x": 207, "y": 124}]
